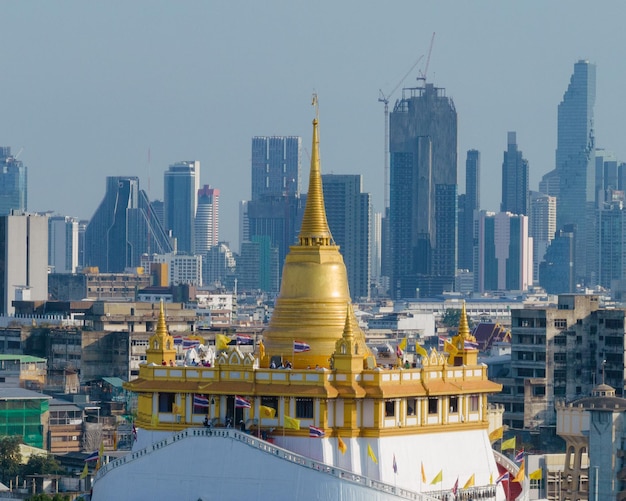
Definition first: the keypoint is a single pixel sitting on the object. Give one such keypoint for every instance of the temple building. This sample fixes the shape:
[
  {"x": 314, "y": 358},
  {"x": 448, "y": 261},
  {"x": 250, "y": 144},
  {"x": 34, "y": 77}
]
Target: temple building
[{"x": 309, "y": 414}]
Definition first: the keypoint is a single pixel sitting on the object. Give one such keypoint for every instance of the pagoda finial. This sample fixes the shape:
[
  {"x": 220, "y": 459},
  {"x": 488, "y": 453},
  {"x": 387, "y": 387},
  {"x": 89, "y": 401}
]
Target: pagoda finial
[
  {"x": 464, "y": 331},
  {"x": 314, "y": 229},
  {"x": 161, "y": 329}
]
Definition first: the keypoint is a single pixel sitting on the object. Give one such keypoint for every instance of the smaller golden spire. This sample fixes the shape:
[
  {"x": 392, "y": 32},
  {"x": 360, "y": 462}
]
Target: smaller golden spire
[
  {"x": 348, "y": 330},
  {"x": 314, "y": 229},
  {"x": 161, "y": 349},
  {"x": 464, "y": 331},
  {"x": 161, "y": 329}
]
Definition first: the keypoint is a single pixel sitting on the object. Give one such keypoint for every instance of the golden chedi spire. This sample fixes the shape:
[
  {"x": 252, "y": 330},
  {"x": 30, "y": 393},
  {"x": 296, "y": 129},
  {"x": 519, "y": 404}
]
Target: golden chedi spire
[
  {"x": 161, "y": 349},
  {"x": 310, "y": 310},
  {"x": 464, "y": 355}
]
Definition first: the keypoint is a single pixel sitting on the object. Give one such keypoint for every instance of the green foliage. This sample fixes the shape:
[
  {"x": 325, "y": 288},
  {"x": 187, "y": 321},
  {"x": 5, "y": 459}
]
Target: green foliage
[
  {"x": 48, "y": 497},
  {"x": 41, "y": 465},
  {"x": 10, "y": 457},
  {"x": 451, "y": 317}
]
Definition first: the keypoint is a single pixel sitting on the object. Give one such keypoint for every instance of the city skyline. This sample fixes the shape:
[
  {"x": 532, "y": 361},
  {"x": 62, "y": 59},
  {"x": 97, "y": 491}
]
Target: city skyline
[{"x": 117, "y": 105}]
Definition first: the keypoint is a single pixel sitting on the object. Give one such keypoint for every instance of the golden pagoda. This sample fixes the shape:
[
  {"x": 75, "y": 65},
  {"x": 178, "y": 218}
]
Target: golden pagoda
[{"x": 434, "y": 412}]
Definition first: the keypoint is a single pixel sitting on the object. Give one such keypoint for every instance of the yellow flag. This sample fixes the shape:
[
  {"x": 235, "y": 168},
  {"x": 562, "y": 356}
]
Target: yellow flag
[
  {"x": 470, "y": 482},
  {"x": 291, "y": 423},
  {"x": 221, "y": 342},
  {"x": 114, "y": 440},
  {"x": 370, "y": 453},
  {"x": 266, "y": 412},
  {"x": 496, "y": 434},
  {"x": 536, "y": 475},
  {"x": 175, "y": 409},
  {"x": 402, "y": 344},
  {"x": 341, "y": 445},
  {"x": 450, "y": 348},
  {"x": 154, "y": 420},
  {"x": 491, "y": 479},
  {"x": 423, "y": 473},
  {"x": 520, "y": 474},
  {"x": 85, "y": 472},
  {"x": 438, "y": 478},
  {"x": 419, "y": 349},
  {"x": 508, "y": 444},
  {"x": 261, "y": 350}
]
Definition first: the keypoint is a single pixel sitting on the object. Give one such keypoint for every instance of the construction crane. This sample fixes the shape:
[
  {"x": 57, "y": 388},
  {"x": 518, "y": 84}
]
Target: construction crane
[
  {"x": 382, "y": 98},
  {"x": 430, "y": 50}
]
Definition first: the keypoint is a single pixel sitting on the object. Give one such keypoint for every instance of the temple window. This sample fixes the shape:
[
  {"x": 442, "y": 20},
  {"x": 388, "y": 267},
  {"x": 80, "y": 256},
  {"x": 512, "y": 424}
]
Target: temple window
[
  {"x": 169, "y": 345},
  {"x": 433, "y": 405},
  {"x": 155, "y": 345},
  {"x": 454, "y": 404},
  {"x": 270, "y": 402},
  {"x": 473, "y": 403},
  {"x": 411, "y": 406},
  {"x": 166, "y": 402},
  {"x": 343, "y": 349},
  {"x": 390, "y": 408},
  {"x": 304, "y": 408},
  {"x": 356, "y": 349}
]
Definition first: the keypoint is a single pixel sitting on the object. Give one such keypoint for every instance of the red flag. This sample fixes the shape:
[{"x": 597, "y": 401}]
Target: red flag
[{"x": 455, "y": 487}]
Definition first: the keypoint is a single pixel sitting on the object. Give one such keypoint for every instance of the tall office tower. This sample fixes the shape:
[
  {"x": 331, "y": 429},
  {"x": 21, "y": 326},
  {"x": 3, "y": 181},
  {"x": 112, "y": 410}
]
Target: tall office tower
[
  {"x": 348, "y": 212},
  {"x": 514, "y": 179},
  {"x": 423, "y": 193},
  {"x": 469, "y": 205},
  {"x": 181, "y": 183},
  {"x": 13, "y": 183},
  {"x": 63, "y": 244},
  {"x": 610, "y": 178},
  {"x": 376, "y": 275},
  {"x": 556, "y": 272},
  {"x": 505, "y": 261},
  {"x": 158, "y": 211},
  {"x": 611, "y": 247},
  {"x": 575, "y": 158},
  {"x": 276, "y": 166},
  {"x": 257, "y": 266},
  {"x": 207, "y": 219},
  {"x": 244, "y": 229},
  {"x": 123, "y": 228},
  {"x": 23, "y": 258},
  {"x": 542, "y": 222},
  {"x": 221, "y": 265}
]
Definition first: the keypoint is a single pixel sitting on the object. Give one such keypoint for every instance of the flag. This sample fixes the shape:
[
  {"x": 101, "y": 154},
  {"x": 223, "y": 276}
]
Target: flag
[
  {"x": 221, "y": 342},
  {"x": 438, "y": 478},
  {"x": 114, "y": 440},
  {"x": 200, "y": 401},
  {"x": 450, "y": 348},
  {"x": 442, "y": 341},
  {"x": 92, "y": 457},
  {"x": 508, "y": 444},
  {"x": 520, "y": 474},
  {"x": 491, "y": 478},
  {"x": 100, "y": 456},
  {"x": 315, "y": 432},
  {"x": 241, "y": 403},
  {"x": 470, "y": 345},
  {"x": 519, "y": 456},
  {"x": 470, "y": 482},
  {"x": 291, "y": 423},
  {"x": 370, "y": 453},
  {"x": 455, "y": 487},
  {"x": 266, "y": 412},
  {"x": 154, "y": 420},
  {"x": 189, "y": 343},
  {"x": 502, "y": 478},
  {"x": 536, "y": 475},
  {"x": 419, "y": 349},
  {"x": 300, "y": 347},
  {"x": 175, "y": 409},
  {"x": 261, "y": 350},
  {"x": 134, "y": 432},
  {"x": 423, "y": 473},
  {"x": 341, "y": 445},
  {"x": 244, "y": 339},
  {"x": 398, "y": 352},
  {"x": 85, "y": 472},
  {"x": 178, "y": 340},
  {"x": 403, "y": 344},
  {"x": 496, "y": 434},
  {"x": 395, "y": 465}
]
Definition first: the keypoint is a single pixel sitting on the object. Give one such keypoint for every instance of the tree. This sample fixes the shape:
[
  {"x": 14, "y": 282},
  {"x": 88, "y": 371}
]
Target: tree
[
  {"x": 47, "y": 497},
  {"x": 451, "y": 318},
  {"x": 10, "y": 457},
  {"x": 41, "y": 465}
]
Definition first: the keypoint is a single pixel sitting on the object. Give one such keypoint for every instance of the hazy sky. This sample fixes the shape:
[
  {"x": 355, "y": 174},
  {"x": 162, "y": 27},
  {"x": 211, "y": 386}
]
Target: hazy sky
[{"x": 88, "y": 89}]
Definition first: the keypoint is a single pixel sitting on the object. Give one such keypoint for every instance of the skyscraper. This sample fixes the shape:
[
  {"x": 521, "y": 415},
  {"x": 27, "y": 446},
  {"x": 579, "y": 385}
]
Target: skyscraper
[
  {"x": 468, "y": 210},
  {"x": 275, "y": 165},
  {"x": 542, "y": 223},
  {"x": 13, "y": 183},
  {"x": 207, "y": 219},
  {"x": 23, "y": 258},
  {"x": 123, "y": 228},
  {"x": 423, "y": 192},
  {"x": 575, "y": 157},
  {"x": 180, "y": 200},
  {"x": 514, "y": 179},
  {"x": 348, "y": 211},
  {"x": 504, "y": 252},
  {"x": 63, "y": 244}
]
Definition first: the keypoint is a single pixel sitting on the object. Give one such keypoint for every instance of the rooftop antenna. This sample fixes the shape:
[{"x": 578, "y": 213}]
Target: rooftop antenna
[{"x": 382, "y": 98}]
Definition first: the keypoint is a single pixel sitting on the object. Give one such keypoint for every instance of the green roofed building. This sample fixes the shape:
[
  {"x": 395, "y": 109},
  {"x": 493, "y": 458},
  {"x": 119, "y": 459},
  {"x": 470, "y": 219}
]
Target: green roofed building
[{"x": 24, "y": 413}]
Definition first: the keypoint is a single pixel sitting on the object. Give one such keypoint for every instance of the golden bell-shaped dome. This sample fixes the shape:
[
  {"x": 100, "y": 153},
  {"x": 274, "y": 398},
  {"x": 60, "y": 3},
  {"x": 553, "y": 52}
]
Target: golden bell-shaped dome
[{"x": 310, "y": 310}]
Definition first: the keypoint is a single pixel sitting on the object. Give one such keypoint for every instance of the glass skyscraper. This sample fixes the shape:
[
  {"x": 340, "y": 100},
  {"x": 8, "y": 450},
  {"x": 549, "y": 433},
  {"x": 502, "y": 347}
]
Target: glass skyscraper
[
  {"x": 423, "y": 193},
  {"x": 275, "y": 166},
  {"x": 514, "y": 179},
  {"x": 180, "y": 200},
  {"x": 13, "y": 189}
]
